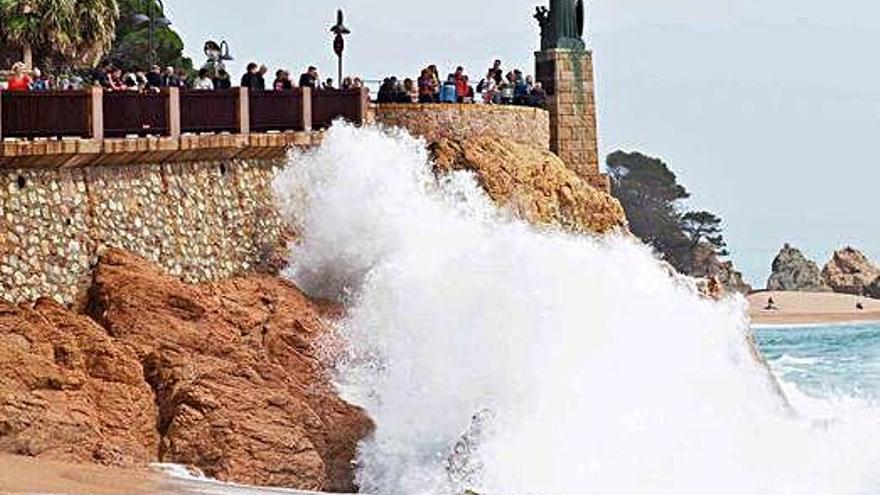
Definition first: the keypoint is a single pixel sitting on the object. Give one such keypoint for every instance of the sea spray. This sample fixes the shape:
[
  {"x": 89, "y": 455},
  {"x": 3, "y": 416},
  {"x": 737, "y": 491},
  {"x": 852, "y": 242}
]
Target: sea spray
[{"x": 601, "y": 373}]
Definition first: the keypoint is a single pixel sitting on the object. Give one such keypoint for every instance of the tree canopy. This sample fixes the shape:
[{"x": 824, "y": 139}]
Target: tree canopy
[
  {"x": 58, "y": 33},
  {"x": 652, "y": 198},
  {"x": 131, "y": 49}
]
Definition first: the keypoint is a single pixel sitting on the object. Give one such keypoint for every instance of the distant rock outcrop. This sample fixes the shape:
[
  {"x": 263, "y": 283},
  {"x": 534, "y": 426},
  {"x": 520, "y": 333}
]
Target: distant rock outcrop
[
  {"x": 224, "y": 377},
  {"x": 707, "y": 265},
  {"x": 792, "y": 271},
  {"x": 851, "y": 272},
  {"x": 535, "y": 184}
]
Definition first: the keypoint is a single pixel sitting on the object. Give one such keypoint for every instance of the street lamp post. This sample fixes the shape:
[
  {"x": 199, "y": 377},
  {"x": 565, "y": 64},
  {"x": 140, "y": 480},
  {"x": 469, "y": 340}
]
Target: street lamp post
[
  {"x": 339, "y": 41},
  {"x": 150, "y": 17}
]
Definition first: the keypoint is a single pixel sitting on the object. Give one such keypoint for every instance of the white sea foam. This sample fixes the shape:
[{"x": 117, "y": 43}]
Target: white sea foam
[{"x": 603, "y": 375}]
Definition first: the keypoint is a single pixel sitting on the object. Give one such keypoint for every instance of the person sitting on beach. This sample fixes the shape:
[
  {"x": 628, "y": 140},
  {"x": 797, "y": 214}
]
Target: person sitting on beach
[
  {"x": 771, "y": 305},
  {"x": 860, "y": 306}
]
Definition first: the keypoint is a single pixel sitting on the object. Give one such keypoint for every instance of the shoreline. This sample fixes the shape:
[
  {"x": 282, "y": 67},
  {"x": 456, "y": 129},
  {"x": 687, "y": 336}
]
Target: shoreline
[
  {"x": 812, "y": 308},
  {"x": 21, "y": 475}
]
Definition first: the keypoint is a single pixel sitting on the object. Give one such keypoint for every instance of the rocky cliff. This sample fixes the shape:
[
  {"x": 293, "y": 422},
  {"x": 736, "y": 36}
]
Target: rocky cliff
[
  {"x": 792, "y": 271},
  {"x": 224, "y": 377},
  {"x": 535, "y": 184},
  {"x": 707, "y": 265},
  {"x": 851, "y": 272}
]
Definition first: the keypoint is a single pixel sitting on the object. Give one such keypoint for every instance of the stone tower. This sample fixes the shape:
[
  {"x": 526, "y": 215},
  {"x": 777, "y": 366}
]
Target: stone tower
[{"x": 565, "y": 68}]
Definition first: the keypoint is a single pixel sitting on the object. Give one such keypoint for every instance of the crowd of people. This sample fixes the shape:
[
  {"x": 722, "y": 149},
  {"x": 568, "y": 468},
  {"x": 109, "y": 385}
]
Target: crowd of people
[
  {"x": 254, "y": 78},
  {"x": 113, "y": 78},
  {"x": 496, "y": 87}
]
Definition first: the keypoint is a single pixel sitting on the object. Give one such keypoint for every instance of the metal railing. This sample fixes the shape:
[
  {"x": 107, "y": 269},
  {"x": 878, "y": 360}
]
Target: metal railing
[{"x": 96, "y": 114}]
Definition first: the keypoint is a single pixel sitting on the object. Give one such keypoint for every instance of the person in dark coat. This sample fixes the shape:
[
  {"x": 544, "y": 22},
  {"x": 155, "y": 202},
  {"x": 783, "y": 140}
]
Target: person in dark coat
[
  {"x": 260, "y": 79},
  {"x": 249, "y": 79},
  {"x": 154, "y": 78},
  {"x": 309, "y": 79}
]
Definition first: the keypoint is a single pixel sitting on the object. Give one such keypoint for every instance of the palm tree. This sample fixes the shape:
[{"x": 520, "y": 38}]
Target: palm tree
[{"x": 74, "y": 32}]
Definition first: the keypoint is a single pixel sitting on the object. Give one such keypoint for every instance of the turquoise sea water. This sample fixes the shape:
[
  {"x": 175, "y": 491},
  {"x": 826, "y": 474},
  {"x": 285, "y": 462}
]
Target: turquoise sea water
[{"x": 826, "y": 362}]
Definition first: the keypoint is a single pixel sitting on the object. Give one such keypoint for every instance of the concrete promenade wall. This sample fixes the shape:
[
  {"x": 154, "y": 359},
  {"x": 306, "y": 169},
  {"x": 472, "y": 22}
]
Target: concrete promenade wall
[
  {"x": 433, "y": 122},
  {"x": 202, "y": 221}
]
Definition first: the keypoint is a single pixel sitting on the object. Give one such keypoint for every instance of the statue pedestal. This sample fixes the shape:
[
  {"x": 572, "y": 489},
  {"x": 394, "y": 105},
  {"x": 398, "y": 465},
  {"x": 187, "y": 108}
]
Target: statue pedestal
[{"x": 567, "y": 76}]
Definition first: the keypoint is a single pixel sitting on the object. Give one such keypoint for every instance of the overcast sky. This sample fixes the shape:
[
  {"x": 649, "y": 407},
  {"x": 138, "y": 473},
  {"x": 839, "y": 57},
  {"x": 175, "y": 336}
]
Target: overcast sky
[{"x": 767, "y": 110}]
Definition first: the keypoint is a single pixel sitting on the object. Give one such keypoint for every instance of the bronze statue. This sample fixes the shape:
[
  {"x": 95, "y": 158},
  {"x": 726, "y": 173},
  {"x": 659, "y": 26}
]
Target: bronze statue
[{"x": 562, "y": 26}]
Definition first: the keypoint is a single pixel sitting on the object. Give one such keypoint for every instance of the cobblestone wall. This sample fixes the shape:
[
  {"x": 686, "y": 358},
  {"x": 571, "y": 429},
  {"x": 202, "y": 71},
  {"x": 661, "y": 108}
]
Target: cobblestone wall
[
  {"x": 524, "y": 125},
  {"x": 202, "y": 221}
]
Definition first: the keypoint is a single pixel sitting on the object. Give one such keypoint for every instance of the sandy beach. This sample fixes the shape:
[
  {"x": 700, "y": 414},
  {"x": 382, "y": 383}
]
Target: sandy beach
[
  {"x": 24, "y": 475},
  {"x": 811, "y": 307}
]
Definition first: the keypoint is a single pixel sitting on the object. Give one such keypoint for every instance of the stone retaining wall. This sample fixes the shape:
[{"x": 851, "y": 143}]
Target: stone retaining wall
[
  {"x": 203, "y": 221},
  {"x": 433, "y": 122}
]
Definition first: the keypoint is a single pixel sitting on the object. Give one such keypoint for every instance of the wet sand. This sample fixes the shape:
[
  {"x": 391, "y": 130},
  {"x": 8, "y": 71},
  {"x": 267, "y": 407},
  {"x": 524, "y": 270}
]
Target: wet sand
[{"x": 812, "y": 307}]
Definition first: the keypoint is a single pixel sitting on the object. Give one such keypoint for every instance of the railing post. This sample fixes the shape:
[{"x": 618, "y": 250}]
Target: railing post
[
  {"x": 307, "y": 108},
  {"x": 244, "y": 111},
  {"x": 174, "y": 112},
  {"x": 363, "y": 104},
  {"x": 97, "y": 110}
]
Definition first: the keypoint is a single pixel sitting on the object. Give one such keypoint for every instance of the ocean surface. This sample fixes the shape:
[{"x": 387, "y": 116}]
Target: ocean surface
[{"x": 825, "y": 362}]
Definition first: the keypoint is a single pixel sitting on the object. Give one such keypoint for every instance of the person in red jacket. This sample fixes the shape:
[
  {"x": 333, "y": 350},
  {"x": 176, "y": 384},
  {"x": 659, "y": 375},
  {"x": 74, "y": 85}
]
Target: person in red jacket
[
  {"x": 461, "y": 84},
  {"x": 21, "y": 81}
]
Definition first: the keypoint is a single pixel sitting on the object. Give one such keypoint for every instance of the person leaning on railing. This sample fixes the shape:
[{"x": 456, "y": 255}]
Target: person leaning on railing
[
  {"x": 20, "y": 80},
  {"x": 203, "y": 82}
]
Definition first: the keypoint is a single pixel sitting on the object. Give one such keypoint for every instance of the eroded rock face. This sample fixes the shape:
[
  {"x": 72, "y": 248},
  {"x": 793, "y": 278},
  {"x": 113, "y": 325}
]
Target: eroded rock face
[
  {"x": 851, "y": 272},
  {"x": 536, "y": 185},
  {"x": 224, "y": 377},
  {"x": 792, "y": 271},
  {"x": 240, "y": 391},
  {"x": 68, "y": 392}
]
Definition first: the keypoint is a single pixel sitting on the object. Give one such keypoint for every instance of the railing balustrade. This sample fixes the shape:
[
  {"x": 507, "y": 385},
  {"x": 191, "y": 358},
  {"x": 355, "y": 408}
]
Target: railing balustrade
[
  {"x": 209, "y": 111},
  {"x": 330, "y": 104},
  {"x": 49, "y": 114},
  {"x": 96, "y": 114},
  {"x": 128, "y": 114},
  {"x": 279, "y": 110}
]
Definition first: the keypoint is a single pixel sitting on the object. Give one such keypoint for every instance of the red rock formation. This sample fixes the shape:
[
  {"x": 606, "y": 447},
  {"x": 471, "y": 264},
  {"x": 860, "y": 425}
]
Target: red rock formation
[
  {"x": 68, "y": 392},
  {"x": 224, "y": 377}
]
